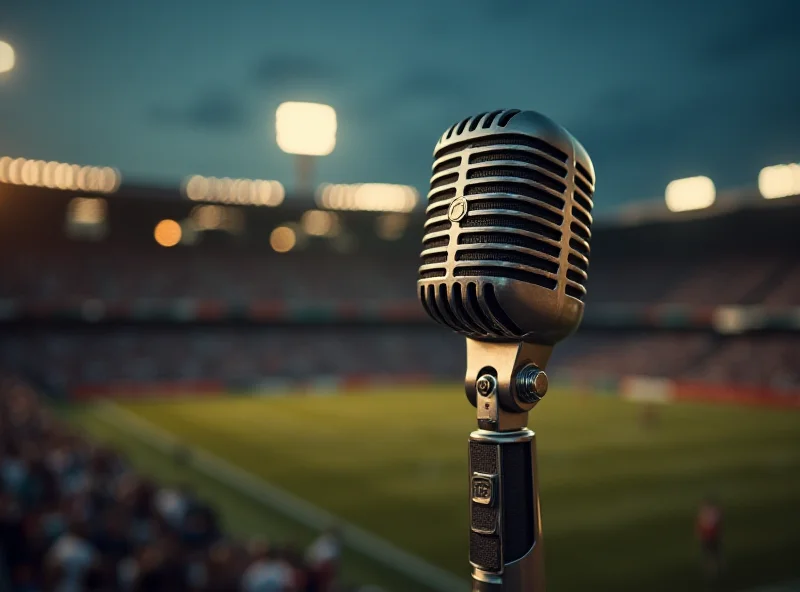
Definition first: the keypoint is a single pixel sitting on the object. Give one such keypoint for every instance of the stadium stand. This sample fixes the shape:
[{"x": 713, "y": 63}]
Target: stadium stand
[
  {"x": 75, "y": 516},
  {"x": 230, "y": 312}
]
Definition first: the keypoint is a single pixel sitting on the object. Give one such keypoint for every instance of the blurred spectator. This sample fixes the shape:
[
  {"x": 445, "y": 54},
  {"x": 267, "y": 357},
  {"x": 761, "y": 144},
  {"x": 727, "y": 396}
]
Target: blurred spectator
[
  {"x": 74, "y": 517},
  {"x": 322, "y": 558},
  {"x": 269, "y": 571}
]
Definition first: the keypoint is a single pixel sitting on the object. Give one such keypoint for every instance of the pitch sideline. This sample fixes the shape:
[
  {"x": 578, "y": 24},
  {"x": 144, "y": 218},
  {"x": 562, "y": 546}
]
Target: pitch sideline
[{"x": 284, "y": 502}]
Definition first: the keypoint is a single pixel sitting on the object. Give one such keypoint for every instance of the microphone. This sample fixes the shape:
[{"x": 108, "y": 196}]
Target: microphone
[{"x": 504, "y": 262}]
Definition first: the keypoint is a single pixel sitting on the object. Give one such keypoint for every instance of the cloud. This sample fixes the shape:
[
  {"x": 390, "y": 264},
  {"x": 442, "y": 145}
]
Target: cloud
[
  {"x": 768, "y": 28},
  {"x": 422, "y": 92},
  {"x": 712, "y": 133},
  {"x": 215, "y": 110},
  {"x": 280, "y": 71}
]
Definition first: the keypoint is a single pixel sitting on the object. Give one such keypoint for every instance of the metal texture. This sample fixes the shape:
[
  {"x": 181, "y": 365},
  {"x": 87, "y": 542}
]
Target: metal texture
[
  {"x": 532, "y": 384},
  {"x": 504, "y": 262},
  {"x": 513, "y": 528},
  {"x": 506, "y": 244}
]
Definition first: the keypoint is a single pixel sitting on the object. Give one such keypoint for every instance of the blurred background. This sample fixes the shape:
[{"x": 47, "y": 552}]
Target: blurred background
[{"x": 215, "y": 374}]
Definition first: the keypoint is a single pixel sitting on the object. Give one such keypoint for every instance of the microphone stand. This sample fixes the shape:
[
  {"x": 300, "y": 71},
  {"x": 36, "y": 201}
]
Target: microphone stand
[{"x": 504, "y": 381}]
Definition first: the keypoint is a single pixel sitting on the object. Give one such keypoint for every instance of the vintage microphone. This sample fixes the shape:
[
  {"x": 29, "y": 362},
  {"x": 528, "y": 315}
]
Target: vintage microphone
[{"x": 505, "y": 256}]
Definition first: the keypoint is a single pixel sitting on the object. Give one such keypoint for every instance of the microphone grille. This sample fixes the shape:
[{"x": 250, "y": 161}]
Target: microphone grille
[{"x": 510, "y": 197}]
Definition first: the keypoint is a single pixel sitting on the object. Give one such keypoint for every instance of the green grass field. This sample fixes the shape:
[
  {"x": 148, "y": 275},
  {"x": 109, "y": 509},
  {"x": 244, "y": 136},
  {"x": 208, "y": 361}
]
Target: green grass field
[{"x": 618, "y": 499}]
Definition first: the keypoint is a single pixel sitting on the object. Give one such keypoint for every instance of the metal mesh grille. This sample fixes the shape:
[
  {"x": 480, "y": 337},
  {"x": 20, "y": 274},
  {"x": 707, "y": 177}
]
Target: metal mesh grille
[
  {"x": 580, "y": 233},
  {"x": 524, "y": 213},
  {"x": 515, "y": 187}
]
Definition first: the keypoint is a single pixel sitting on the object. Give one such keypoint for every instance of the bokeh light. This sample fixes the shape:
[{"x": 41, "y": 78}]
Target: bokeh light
[
  {"x": 252, "y": 192},
  {"x": 283, "y": 239},
  {"x": 207, "y": 217},
  {"x": 692, "y": 193},
  {"x": 58, "y": 175},
  {"x": 168, "y": 233},
  {"x": 87, "y": 210},
  {"x": 391, "y": 226},
  {"x": 7, "y": 57},
  {"x": 779, "y": 181},
  {"x": 370, "y": 197},
  {"x": 320, "y": 223}
]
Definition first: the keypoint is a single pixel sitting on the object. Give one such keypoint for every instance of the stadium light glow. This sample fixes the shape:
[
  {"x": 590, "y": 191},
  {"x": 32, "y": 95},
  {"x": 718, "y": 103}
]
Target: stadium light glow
[
  {"x": 305, "y": 128},
  {"x": 319, "y": 223},
  {"x": 58, "y": 175},
  {"x": 87, "y": 210},
  {"x": 692, "y": 193},
  {"x": 7, "y": 57},
  {"x": 282, "y": 239},
  {"x": 782, "y": 180},
  {"x": 168, "y": 233},
  {"x": 251, "y": 192},
  {"x": 207, "y": 217},
  {"x": 391, "y": 226},
  {"x": 370, "y": 197}
]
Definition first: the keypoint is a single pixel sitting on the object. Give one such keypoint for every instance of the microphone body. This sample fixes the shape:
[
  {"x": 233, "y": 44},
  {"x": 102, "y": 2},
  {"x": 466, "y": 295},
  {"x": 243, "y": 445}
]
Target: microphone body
[{"x": 504, "y": 262}]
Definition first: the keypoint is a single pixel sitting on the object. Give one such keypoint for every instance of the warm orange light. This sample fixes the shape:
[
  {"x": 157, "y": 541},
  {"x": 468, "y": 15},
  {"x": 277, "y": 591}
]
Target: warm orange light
[
  {"x": 283, "y": 239},
  {"x": 7, "y": 57},
  {"x": 306, "y": 128},
  {"x": 168, "y": 233}
]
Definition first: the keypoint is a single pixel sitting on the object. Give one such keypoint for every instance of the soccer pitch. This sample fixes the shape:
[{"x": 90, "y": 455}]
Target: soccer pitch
[{"x": 618, "y": 497}]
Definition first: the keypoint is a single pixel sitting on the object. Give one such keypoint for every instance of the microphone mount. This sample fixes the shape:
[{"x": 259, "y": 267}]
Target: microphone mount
[{"x": 504, "y": 381}]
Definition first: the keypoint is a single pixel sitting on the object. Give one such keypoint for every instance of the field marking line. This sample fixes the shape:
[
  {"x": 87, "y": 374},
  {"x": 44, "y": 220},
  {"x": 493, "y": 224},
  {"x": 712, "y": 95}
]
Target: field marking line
[{"x": 286, "y": 503}]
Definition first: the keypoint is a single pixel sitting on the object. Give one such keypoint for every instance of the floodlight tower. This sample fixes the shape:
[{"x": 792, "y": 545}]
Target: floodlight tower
[{"x": 306, "y": 130}]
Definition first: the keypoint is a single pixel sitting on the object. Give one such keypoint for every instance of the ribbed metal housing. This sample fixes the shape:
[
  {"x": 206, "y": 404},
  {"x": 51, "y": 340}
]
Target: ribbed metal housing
[{"x": 510, "y": 203}]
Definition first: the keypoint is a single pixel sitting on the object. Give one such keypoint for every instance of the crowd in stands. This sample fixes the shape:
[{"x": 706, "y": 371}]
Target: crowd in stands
[
  {"x": 75, "y": 517},
  {"x": 243, "y": 357},
  {"x": 773, "y": 362},
  {"x": 702, "y": 265},
  {"x": 85, "y": 272},
  {"x": 70, "y": 360}
]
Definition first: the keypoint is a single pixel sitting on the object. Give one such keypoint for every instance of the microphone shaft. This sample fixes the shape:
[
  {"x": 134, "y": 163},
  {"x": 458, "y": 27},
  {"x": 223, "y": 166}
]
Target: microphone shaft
[{"x": 506, "y": 550}]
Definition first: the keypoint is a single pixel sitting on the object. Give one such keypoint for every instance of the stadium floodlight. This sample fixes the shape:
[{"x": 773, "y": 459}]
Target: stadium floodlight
[
  {"x": 692, "y": 193},
  {"x": 7, "y": 57},
  {"x": 58, "y": 175},
  {"x": 782, "y": 180},
  {"x": 368, "y": 197},
  {"x": 252, "y": 192},
  {"x": 305, "y": 130}
]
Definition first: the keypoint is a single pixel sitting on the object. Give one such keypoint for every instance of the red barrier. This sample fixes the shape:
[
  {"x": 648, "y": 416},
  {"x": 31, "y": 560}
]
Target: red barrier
[{"x": 726, "y": 393}]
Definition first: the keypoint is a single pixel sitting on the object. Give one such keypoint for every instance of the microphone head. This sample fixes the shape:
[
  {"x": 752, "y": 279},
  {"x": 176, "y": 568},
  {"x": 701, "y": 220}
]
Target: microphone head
[{"x": 505, "y": 253}]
